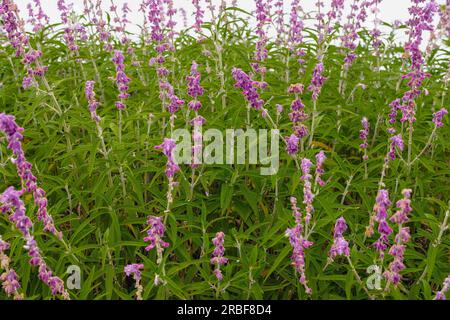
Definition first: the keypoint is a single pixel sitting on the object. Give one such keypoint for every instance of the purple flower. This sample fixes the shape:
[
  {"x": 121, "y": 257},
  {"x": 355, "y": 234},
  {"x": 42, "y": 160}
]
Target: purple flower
[
  {"x": 364, "y": 133},
  {"x": 262, "y": 17},
  {"x": 317, "y": 81},
  {"x": 340, "y": 245},
  {"x": 438, "y": 117},
  {"x": 292, "y": 144},
  {"x": 380, "y": 210},
  {"x": 155, "y": 233},
  {"x": 299, "y": 244},
  {"x": 441, "y": 294},
  {"x": 396, "y": 144},
  {"x": 14, "y": 138},
  {"x": 404, "y": 206},
  {"x": 168, "y": 147},
  {"x": 193, "y": 80},
  {"x": 10, "y": 202},
  {"x": 218, "y": 258},
  {"x": 135, "y": 271},
  {"x": 199, "y": 13},
  {"x": 320, "y": 159},
  {"x": 121, "y": 79},
  {"x": 308, "y": 196},
  {"x": 248, "y": 87},
  {"x": 93, "y": 103}
]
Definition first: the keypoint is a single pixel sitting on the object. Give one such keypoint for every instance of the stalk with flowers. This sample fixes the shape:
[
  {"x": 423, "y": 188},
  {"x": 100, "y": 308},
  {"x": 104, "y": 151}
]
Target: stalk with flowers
[{"x": 362, "y": 174}]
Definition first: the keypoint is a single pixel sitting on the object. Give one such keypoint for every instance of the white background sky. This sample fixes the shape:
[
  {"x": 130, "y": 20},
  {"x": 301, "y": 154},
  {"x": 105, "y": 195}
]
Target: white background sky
[{"x": 390, "y": 10}]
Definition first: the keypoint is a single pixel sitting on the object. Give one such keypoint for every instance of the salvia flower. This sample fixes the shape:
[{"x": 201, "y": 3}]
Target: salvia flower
[
  {"x": 9, "y": 278},
  {"x": 14, "y": 138},
  {"x": 248, "y": 87},
  {"x": 155, "y": 233},
  {"x": 308, "y": 196},
  {"x": 320, "y": 159},
  {"x": 93, "y": 103},
  {"x": 438, "y": 117},
  {"x": 10, "y": 202},
  {"x": 218, "y": 258},
  {"x": 380, "y": 210},
  {"x": 340, "y": 245},
  {"x": 168, "y": 147},
  {"x": 363, "y": 135},
  {"x": 122, "y": 79},
  {"x": 398, "y": 249},
  {"x": 135, "y": 271},
  {"x": 317, "y": 81},
  {"x": 441, "y": 294},
  {"x": 262, "y": 17},
  {"x": 199, "y": 13},
  {"x": 299, "y": 244},
  {"x": 292, "y": 144},
  {"x": 396, "y": 143}
]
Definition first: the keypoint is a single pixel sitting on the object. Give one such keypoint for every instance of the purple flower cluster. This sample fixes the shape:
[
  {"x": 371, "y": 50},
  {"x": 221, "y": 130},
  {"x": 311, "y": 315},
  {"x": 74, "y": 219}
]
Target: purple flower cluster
[
  {"x": 380, "y": 210},
  {"x": 195, "y": 90},
  {"x": 262, "y": 17},
  {"x": 441, "y": 294},
  {"x": 296, "y": 29},
  {"x": 397, "y": 250},
  {"x": 168, "y": 147},
  {"x": 340, "y": 245},
  {"x": 292, "y": 144},
  {"x": 39, "y": 19},
  {"x": 320, "y": 159},
  {"x": 317, "y": 81},
  {"x": 14, "y": 138},
  {"x": 10, "y": 202},
  {"x": 155, "y": 233},
  {"x": 249, "y": 88},
  {"x": 298, "y": 114},
  {"x": 279, "y": 20},
  {"x": 308, "y": 196},
  {"x": 299, "y": 244},
  {"x": 135, "y": 271},
  {"x": 121, "y": 79},
  {"x": 18, "y": 39},
  {"x": 199, "y": 13},
  {"x": 9, "y": 278},
  {"x": 218, "y": 258},
  {"x": 93, "y": 103},
  {"x": 396, "y": 143},
  {"x": 363, "y": 135},
  {"x": 438, "y": 117}
]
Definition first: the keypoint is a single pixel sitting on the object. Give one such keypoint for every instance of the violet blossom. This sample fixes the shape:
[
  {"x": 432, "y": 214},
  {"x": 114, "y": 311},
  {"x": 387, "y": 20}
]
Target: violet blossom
[
  {"x": 441, "y": 294},
  {"x": 380, "y": 210},
  {"x": 299, "y": 244},
  {"x": 398, "y": 249},
  {"x": 14, "y": 138},
  {"x": 10, "y": 202},
  {"x": 218, "y": 258},
  {"x": 93, "y": 103},
  {"x": 199, "y": 13},
  {"x": 363, "y": 135},
  {"x": 340, "y": 245},
  {"x": 135, "y": 271},
  {"x": 308, "y": 196},
  {"x": 438, "y": 117},
  {"x": 121, "y": 79},
  {"x": 9, "y": 278},
  {"x": 155, "y": 233},
  {"x": 320, "y": 159},
  {"x": 248, "y": 87}
]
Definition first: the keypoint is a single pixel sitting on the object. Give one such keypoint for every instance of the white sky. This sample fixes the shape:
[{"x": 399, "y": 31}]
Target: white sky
[{"x": 390, "y": 10}]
